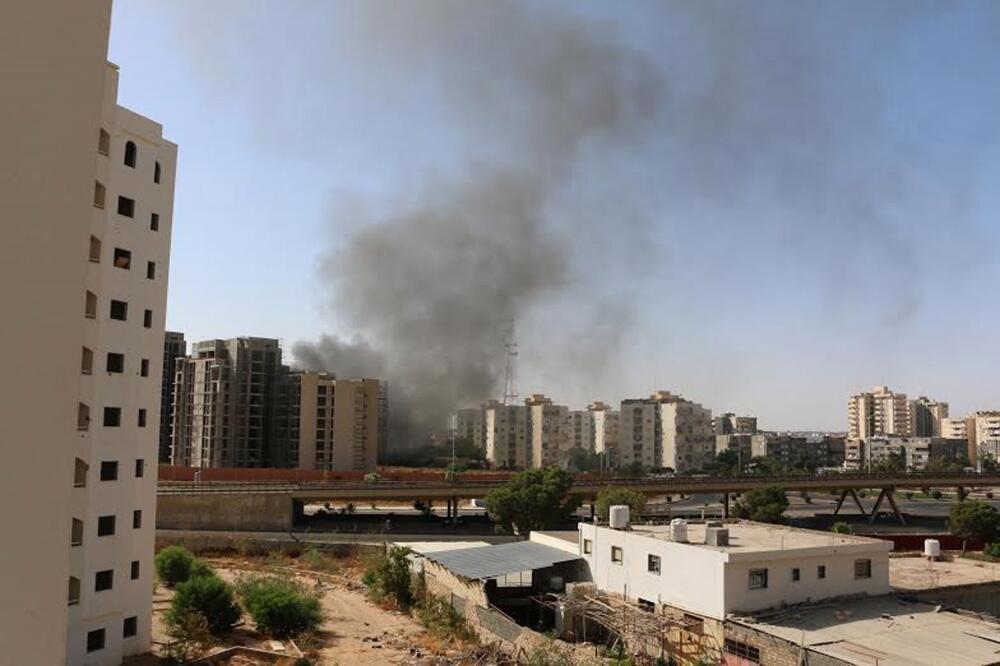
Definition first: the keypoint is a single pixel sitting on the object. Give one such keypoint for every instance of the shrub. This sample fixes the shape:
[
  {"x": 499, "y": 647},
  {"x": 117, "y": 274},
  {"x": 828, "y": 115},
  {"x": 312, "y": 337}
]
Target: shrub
[
  {"x": 173, "y": 565},
  {"x": 441, "y": 618},
  {"x": 208, "y": 595},
  {"x": 936, "y": 494},
  {"x": 989, "y": 494},
  {"x": 314, "y": 559},
  {"x": 992, "y": 551},
  {"x": 388, "y": 577},
  {"x": 279, "y": 606},
  {"x": 190, "y": 635},
  {"x": 909, "y": 494},
  {"x": 199, "y": 569},
  {"x": 840, "y": 527}
]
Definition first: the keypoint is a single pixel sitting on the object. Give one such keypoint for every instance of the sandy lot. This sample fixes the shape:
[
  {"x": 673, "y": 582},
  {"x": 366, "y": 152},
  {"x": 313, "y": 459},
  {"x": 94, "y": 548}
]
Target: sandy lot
[{"x": 916, "y": 573}]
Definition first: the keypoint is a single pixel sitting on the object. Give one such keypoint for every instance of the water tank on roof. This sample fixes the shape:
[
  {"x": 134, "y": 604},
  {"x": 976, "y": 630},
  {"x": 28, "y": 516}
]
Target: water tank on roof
[
  {"x": 932, "y": 548},
  {"x": 679, "y": 530},
  {"x": 618, "y": 516}
]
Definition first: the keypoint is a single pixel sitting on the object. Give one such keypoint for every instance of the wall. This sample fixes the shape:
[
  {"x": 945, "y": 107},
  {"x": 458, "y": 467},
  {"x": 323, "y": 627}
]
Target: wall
[
  {"x": 224, "y": 512},
  {"x": 53, "y": 57}
]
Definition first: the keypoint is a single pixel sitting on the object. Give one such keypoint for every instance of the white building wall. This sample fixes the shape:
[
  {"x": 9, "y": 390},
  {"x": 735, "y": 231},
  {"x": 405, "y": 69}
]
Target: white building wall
[
  {"x": 637, "y": 433},
  {"x": 506, "y": 428}
]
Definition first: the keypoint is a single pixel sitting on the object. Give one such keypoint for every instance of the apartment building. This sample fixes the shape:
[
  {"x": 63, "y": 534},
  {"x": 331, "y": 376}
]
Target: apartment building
[
  {"x": 549, "y": 433},
  {"x": 174, "y": 347},
  {"x": 605, "y": 424},
  {"x": 914, "y": 452},
  {"x": 801, "y": 451},
  {"x": 223, "y": 401},
  {"x": 926, "y": 416},
  {"x": 983, "y": 433},
  {"x": 731, "y": 424},
  {"x": 506, "y": 430},
  {"x": 665, "y": 430},
  {"x": 580, "y": 430},
  {"x": 953, "y": 428},
  {"x": 878, "y": 413},
  {"x": 469, "y": 424},
  {"x": 326, "y": 423}
]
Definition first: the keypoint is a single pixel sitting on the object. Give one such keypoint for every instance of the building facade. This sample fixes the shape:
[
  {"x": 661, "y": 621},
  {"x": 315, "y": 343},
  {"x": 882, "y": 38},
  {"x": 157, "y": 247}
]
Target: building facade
[
  {"x": 506, "y": 428},
  {"x": 174, "y": 347},
  {"x": 605, "y": 423},
  {"x": 470, "y": 425},
  {"x": 983, "y": 432},
  {"x": 665, "y": 430},
  {"x": 731, "y": 424},
  {"x": 223, "y": 400},
  {"x": 926, "y": 416},
  {"x": 878, "y": 413},
  {"x": 548, "y": 431}
]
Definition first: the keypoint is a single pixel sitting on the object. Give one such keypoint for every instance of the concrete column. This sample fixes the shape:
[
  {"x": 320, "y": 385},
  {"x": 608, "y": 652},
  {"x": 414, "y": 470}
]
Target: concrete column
[{"x": 725, "y": 505}]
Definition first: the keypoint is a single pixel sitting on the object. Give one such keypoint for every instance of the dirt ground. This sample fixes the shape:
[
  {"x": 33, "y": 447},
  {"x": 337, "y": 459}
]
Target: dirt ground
[
  {"x": 354, "y": 630},
  {"x": 917, "y": 573}
]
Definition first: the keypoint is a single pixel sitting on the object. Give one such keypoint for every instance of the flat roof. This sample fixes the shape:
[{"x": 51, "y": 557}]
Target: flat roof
[
  {"x": 572, "y": 536},
  {"x": 749, "y": 537},
  {"x": 500, "y": 560},
  {"x": 915, "y": 574},
  {"x": 425, "y": 547},
  {"x": 885, "y": 630}
]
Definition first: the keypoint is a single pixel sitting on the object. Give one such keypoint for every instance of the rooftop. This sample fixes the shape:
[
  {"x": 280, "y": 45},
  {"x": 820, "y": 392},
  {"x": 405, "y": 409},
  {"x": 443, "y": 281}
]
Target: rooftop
[
  {"x": 887, "y": 631},
  {"x": 914, "y": 574},
  {"x": 749, "y": 537}
]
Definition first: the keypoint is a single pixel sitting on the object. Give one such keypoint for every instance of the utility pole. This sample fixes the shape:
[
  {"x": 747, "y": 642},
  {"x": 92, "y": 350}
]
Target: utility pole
[{"x": 510, "y": 375}]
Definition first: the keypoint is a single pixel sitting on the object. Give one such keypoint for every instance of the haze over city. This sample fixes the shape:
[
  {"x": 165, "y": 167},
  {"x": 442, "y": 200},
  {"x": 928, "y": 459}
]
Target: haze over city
[{"x": 765, "y": 209}]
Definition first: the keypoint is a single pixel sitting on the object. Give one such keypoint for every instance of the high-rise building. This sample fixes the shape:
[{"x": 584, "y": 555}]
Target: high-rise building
[
  {"x": 605, "y": 423},
  {"x": 223, "y": 403},
  {"x": 665, "y": 430},
  {"x": 580, "y": 430},
  {"x": 548, "y": 431},
  {"x": 953, "y": 428},
  {"x": 174, "y": 347},
  {"x": 730, "y": 424},
  {"x": 926, "y": 416},
  {"x": 506, "y": 428},
  {"x": 879, "y": 413},
  {"x": 470, "y": 425},
  {"x": 983, "y": 434}
]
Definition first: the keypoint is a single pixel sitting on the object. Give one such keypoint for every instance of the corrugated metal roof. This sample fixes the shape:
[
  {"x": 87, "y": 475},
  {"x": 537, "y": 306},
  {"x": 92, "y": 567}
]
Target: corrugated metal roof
[{"x": 499, "y": 560}]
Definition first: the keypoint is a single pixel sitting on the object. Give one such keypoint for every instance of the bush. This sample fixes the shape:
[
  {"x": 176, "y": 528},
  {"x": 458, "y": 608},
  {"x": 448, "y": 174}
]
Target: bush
[
  {"x": 279, "y": 606},
  {"x": 936, "y": 494},
  {"x": 441, "y": 618},
  {"x": 609, "y": 497},
  {"x": 208, "y": 595},
  {"x": 992, "y": 551},
  {"x": 388, "y": 577},
  {"x": 840, "y": 527},
  {"x": 190, "y": 635},
  {"x": 316, "y": 560},
  {"x": 989, "y": 494},
  {"x": 200, "y": 570},
  {"x": 173, "y": 565}
]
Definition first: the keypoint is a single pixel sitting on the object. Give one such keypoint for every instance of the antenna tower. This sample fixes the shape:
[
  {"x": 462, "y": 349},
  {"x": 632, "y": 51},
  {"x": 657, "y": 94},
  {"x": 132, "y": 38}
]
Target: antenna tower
[{"x": 510, "y": 376}]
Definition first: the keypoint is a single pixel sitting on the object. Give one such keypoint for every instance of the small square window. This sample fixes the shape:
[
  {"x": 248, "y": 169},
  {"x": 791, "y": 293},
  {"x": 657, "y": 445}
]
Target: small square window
[
  {"x": 123, "y": 258},
  {"x": 821, "y": 571},
  {"x": 109, "y": 470},
  {"x": 104, "y": 580},
  {"x": 796, "y": 574},
  {"x": 653, "y": 564},
  {"x": 95, "y": 640},
  {"x": 862, "y": 569},
  {"x": 617, "y": 555},
  {"x": 130, "y": 627},
  {"x": 150, "y": 270},
  {"x": 112, "y": 417},
  {"x": 119, "y": 310},
  {"x": 144, "y": 367},
  {"x": 758, "y": 579},
  {"x": 126, "y": 206},
  {"x": 147, "y": 318},
  {"x": 136, "y": 519},
  {"x": 142, "y": 418},
  {"x": 105, "y": 526},
  {"x": 154, "y": 222},
  {"x": 115, "y": 362},
  {"x": 135, "y": 570},
  {"x": 588, "y": 546},
  {"x": 140, "y": 468}
]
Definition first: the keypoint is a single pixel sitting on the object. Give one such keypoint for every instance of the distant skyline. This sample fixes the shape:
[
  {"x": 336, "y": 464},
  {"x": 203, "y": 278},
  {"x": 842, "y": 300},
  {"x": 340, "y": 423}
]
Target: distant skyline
[{"x": 804, "y": 202}]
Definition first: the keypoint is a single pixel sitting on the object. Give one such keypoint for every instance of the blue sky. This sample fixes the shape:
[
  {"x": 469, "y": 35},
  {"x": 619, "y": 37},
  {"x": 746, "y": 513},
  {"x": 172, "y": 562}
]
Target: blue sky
[{"x": 809, "y": 206}]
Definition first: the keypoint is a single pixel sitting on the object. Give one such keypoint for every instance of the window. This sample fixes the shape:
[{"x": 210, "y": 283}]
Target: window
[
  {"x": 76, "y": 533},
  {"x": 123, "y": 258},
  {"x": 130, "y": 154},
  {"x": 87, "y": 361},
  {"x": 80, "y": 474},
  {"x": 742, "y": 650},
  {"x": 653, "y": 564},
  {"x": 796, "y": 575},
  {"x": 135, "y": 570},
  {"x": 154, "y": 222},
  {"x": 646, "y": 605},
  {"x": 112, "y": 417},
  {"x": 140, "y": 468},
  {"x": 150, "y": 270},
  {"x": 130, "y": 626},
  {"x": 105, "y": 526},
  {"x": 95, "y": 640},
  {"x": 95, "y": 249},
  {"x": 616, "y": 554},
  {"x": 156, "y": 172},
  {"x": 821, "y": 571},
  {"x": 90, "y": 306},
  {"x": 588, "y": 546},
  {"x": 142, "y": 418},
  {"x": 74, "y": 590},
  {"x": 758, "y": 579},
  {"x": 144, "y": 367},
  {"x": 104, "y": 580},
  {"x": 126, "y": 206},
  {"x": 119, "y": 310},
  {"x": 104, "y": 142},
  {"x": 147, "y": 318},
  {"x": 862, "y": 569},
  {"x": 82, "y": 417},
  {"x": 136, "y": 519},
  {"x": 115, "y": 362},
  {"x": 99, "y": 194},
  {"x": 109, "y": 470}
]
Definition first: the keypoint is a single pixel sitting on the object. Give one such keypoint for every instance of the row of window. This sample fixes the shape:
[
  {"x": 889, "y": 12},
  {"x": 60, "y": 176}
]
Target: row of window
[
  {"x": 109, "y": 471},
  {"x": 117, "y": 311},
  {"x": 112, "y": 417},
  {"x": 96, "y": 638},
  {"x": 126, "y": 205},
  {"x": 103, "y": 581},
  {"x": 114, "y": 363},
  {"x": 122, "y": 258},
  {"x": 131, "y": 155}
]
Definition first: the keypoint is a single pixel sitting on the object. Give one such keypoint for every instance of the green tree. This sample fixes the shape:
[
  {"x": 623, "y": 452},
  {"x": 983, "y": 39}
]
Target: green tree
[
  {"x": 208, "y": 595},
  {"x": 893, "y": 463},
  {"x": 388, "y": 577},
  {"x": 609, "y": 497},
  {"x": 534, "y": 499},
  {"x": 582, "y": 460},
  {"x": 973, "y": 519},
  {"x": 279, "y": 606},
  {"x": 766, "y": 466},
  {"x": 725, "y": 463},
  {"x": 764, "y": 505},
  {"x": 173, "y": 565},
  {"x": 988, "y": 463}
]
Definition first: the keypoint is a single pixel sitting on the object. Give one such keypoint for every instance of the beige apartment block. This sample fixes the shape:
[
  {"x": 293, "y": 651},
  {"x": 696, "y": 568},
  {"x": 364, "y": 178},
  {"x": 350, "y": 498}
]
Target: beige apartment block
[
  {"x": 953, "y": 428},
  {"x": 174, "y": 347},
  {"x": 731, "y": 424},
  {"x": 549, "y": 432},
  {"x": 506, "y": 430},
  {"x": 926, "y": 416},
  {"x": 665, "y": 430},
  {"x": 223, "y": 401},
  {"x": 53, "y": 90},
  {"x": 605, "y": 423},
  {"x": 470, "y": 425},
  {"x": 983, "y": 433},
  {"x": 580, "y": 430},
  {"x": 878, "y": 413}
]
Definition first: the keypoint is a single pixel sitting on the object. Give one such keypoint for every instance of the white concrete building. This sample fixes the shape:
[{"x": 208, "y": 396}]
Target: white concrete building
[
  {"x": 470, "y": 424},
  {"x": 581, "y": 430},
  {"x": 983, "y": 432},
  {"x": 665, "y": 430},
  {"x": 762, "y": 566},
  {"x": 605, "y": 423},
  {"x": 878, "y": 413},
  {"x": 549, "y": 432},
  {"x": 506, "y": 429},
  {"x": 953, "y": 428}
]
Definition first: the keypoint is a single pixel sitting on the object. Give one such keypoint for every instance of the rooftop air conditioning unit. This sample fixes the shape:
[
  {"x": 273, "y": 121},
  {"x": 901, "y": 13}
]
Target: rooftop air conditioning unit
[{"x": 717, "y": 536}]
